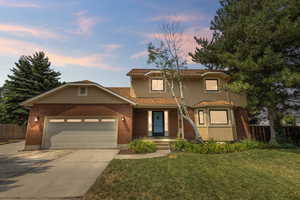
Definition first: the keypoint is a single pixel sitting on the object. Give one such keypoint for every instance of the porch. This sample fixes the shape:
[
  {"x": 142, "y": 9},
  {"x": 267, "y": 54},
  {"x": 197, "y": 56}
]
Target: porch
[
  {"x": 159, "y": 124},
  {"x": 220, "y": 123}
]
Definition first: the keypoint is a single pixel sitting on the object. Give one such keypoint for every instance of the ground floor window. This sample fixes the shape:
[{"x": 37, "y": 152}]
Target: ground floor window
[
  {"x": 201, "y": 117},
  {"x": 218, "y": 117}
]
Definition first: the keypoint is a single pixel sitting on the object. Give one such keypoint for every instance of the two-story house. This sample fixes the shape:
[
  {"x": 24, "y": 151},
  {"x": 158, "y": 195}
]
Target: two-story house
[{"x": 85, "y": 114}]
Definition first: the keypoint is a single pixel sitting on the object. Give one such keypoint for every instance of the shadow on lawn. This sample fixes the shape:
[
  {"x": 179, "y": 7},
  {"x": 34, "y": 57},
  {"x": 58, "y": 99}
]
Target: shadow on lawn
[
  {"x": 11, "y": 167},
  {"x": 288, "y": 150}
]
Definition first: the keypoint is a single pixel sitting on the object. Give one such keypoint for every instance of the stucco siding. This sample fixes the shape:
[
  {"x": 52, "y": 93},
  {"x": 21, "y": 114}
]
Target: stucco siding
[
  {"x": 194, "y": 91},
  {"x": 221, "y": 133},
  {"x": 216, "y": 132},
  {"x": 69, "y": 95}
]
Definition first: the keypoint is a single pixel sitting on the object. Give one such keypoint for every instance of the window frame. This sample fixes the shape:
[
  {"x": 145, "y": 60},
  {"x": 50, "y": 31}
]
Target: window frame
[
  {"x": 151, "y": 85},
  {"x": 216, "y": 124},
  {"x": 201, "y": 110},
  {"x": 79, "y": 91},
  {"x": 211, "y": 79}
]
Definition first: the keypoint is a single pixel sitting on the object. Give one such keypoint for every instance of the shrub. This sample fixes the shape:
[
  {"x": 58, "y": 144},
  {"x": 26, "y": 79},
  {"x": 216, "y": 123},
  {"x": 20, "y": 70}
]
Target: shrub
[
  {"x": 180, "y": 145},
  {"x": 214, "y": 147},
  {"x": 142, "y": 146}
]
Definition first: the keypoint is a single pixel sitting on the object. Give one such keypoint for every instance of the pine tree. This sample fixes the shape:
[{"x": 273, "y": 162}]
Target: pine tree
[
  {"x": 31, "y": 76},
  {"x": 258, "y": 43}
]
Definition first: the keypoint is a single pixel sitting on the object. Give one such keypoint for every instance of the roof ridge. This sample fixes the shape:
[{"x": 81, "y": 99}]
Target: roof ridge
[{"x": 118, "y": 87}]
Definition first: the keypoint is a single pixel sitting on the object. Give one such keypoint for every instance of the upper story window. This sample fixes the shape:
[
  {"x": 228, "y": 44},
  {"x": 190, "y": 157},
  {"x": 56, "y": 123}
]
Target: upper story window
[
  {"x": 82, "y": 91},
  {"x": 211, "y": 85},
  {"x": 218, "y": 117},
  {"x": 157, "y": 85}
]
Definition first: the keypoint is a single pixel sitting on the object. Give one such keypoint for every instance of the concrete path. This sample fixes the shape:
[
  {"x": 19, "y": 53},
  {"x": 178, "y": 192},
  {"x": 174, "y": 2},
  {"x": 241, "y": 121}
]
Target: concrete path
[
  {"x": 57, "y": 174},
  {"x": 12, "y": 148},
  {"x": 159, "y": 153}
]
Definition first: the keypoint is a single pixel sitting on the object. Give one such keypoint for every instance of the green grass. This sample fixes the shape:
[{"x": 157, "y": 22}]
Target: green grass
[{"x": 254, "y": 174}]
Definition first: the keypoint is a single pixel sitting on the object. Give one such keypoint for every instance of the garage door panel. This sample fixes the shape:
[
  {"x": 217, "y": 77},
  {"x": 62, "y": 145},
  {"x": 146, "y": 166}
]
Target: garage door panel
[{"x": 80, "y": 135}]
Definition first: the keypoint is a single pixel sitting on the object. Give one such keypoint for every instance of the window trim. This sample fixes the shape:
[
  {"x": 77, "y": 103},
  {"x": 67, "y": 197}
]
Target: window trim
[
  {"x": 201, "y": 110},
  {"x": 216, "y": 124},
  {"x": 79, "y": 91},
  {"x": 212, "y": 79},
  {"x": 152, "y": 85}
]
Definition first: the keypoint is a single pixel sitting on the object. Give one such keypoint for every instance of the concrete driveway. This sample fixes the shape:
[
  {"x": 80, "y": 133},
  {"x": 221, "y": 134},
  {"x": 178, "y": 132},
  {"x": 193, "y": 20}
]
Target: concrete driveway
[{"x": 55, "y": 174}]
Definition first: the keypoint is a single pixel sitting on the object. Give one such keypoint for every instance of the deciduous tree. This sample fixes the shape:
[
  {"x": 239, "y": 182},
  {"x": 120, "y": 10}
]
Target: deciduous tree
[{"x": 168, "y": 56}]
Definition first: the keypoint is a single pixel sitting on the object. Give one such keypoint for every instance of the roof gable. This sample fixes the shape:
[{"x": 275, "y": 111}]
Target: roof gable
[{"x": 43, "y": 97}]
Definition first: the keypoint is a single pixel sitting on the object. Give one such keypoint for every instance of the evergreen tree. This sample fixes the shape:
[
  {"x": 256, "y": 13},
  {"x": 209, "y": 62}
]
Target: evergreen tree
[
  {"x": 258, "y": 43},
  {"x": 31, "y": 76}
]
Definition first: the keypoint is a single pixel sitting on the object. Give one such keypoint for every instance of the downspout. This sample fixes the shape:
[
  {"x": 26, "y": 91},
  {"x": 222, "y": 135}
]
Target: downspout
[{"x": 207, "y": 120}]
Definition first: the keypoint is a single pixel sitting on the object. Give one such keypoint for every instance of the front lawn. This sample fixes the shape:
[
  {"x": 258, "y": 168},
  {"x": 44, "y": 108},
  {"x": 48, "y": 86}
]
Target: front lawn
[{"x": 254, "y": 174}]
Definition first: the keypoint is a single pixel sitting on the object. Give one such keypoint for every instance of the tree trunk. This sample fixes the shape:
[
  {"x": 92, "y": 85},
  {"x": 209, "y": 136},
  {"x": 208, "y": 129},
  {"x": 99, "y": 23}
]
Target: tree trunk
[
  {"x": 272, "y": 127},
  {"x": 196, "y": 131},
  {"x": 183, "y": 110},
  {"x": 182, "y": 126},
  {"x": 186, "y": 115}
]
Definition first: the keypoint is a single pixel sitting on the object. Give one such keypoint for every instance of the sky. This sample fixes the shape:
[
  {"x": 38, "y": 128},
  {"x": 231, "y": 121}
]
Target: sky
[{"x": 97, "y": 40}]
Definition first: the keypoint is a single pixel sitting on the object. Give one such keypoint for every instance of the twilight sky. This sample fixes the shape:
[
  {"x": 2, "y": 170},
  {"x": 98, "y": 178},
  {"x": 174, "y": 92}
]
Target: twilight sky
[{"x": 98, "y": 40}]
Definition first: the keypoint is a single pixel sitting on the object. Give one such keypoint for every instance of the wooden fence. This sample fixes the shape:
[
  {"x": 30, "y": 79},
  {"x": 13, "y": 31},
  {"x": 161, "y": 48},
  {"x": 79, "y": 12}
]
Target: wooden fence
[
  {"x": 12, "y": 131},
  {"x": 262, "y": 133}
]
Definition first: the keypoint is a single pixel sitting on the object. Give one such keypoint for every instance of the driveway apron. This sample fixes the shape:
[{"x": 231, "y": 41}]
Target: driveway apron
[{"x": 57, "y": 174}]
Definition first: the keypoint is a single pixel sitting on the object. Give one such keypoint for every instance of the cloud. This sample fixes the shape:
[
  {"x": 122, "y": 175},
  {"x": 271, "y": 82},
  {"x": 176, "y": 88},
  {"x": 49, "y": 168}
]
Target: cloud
[
  {"x": 177, "y": 18},
  {"x": 111, "y": 47},
  {"x": 138, "y": 55},
  {"x": 18, "y": 4},
  {"x": 188, "y": 43},
  {"x": 85, "y": 23},
  {"x": 24, "y": 30},
  {"x": 10, "y": 47}
]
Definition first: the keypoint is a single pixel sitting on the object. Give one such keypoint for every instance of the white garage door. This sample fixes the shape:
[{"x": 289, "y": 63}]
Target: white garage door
[{"x": 78, "y": 133}]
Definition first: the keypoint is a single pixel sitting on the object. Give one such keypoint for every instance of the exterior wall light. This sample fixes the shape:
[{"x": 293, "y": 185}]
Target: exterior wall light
[
  {"x": 123, "y": 118},
  {"x": 36, "y": 119}
]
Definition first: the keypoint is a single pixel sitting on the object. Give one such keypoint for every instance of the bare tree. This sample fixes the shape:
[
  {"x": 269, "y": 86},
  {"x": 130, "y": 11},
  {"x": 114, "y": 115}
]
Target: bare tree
[{"x": 168, "y": 56}]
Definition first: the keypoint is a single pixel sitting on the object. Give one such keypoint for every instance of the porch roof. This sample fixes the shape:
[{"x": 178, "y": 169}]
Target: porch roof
[
  {"x": 213, "y": 103},
  {"x": 145, "y": 101}
]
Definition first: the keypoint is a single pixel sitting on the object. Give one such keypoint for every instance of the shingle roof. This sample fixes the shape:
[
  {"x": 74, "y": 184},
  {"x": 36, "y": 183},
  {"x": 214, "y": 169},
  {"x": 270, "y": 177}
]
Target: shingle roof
[
  {"x": 156, "y": 101},
  {"x": 149, "y": 101},
  {"x": 213, "y": 103},
  {"x": 85, "y": 81},
  {"x": 186, "y": 72}
]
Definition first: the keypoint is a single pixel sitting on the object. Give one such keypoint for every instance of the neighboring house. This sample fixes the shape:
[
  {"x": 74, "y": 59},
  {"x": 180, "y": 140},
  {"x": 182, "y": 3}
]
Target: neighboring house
[
  {"x": 85, "y": 114},
  {"x": 262, "y": 119}
]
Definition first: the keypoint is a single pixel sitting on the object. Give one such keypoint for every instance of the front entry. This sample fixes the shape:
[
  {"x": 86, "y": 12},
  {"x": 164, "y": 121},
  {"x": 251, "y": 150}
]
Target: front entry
[{"x": 158, "y": 128}]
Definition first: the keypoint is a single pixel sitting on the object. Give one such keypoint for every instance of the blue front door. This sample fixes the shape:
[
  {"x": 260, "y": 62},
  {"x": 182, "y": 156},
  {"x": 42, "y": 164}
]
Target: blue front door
[{"x": 158, "y": 123}]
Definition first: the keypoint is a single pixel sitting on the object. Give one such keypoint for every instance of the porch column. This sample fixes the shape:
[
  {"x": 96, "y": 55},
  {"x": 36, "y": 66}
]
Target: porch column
[
  {"x": 166, "y": 122},
  {"x": 149, "y": 123}
]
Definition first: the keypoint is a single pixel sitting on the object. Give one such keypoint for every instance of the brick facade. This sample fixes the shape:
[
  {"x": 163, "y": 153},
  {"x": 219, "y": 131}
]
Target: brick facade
[{"x": 35, "y": 129}]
